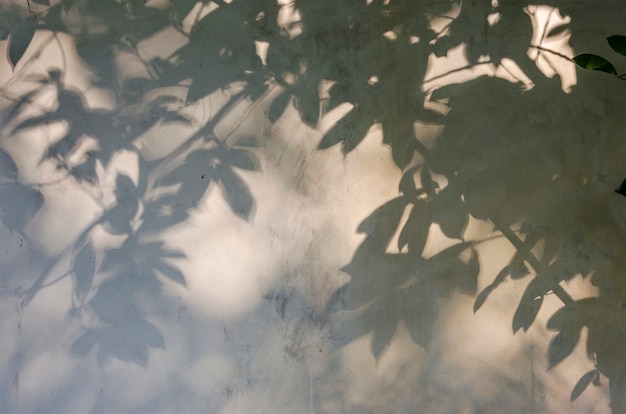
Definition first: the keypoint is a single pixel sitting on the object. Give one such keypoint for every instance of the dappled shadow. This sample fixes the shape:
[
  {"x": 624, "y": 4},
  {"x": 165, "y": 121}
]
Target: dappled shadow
[
  {"x": 403, "y": 287},
  {"x": 169, "y": 85},
  {"x": 85, "y": 137},
  {"x": 549, "y": 174},
  {"x": 544, "y": 183},
  {"x": 538, "y": 171},
  {"x": 18, "y": 202}
]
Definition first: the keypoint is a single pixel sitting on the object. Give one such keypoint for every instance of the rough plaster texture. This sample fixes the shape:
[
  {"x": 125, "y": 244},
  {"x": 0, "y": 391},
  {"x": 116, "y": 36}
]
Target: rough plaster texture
[{"x": 258, "y": 325}]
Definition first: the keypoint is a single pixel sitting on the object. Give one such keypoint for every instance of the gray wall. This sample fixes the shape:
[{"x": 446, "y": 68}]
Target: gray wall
[{"x": 311, "y": 207}]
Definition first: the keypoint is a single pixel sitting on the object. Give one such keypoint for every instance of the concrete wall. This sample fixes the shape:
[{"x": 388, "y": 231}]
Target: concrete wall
[{"x": 277, "y": 207}]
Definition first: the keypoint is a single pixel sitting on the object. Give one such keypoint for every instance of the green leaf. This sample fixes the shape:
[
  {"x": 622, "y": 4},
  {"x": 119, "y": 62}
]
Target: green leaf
[
  {"x": 618, "y": 44},
  {"x": 583, "y": 383},
  {"x": 595, "y": 62}
]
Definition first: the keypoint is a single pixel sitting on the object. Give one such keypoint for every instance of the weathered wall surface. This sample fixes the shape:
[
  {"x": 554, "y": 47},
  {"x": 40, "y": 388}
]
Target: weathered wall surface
[{"x": 186, "y": 231}]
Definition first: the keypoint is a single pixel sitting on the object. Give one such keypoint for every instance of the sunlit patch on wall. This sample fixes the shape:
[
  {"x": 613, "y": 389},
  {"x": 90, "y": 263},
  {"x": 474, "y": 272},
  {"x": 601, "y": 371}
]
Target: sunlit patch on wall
[
  {"x": 550, "y": 48},
  {"x": 199, "y": 11},
  {"x": 494, "y": 18},
  {"x": 289, "y": 18}
]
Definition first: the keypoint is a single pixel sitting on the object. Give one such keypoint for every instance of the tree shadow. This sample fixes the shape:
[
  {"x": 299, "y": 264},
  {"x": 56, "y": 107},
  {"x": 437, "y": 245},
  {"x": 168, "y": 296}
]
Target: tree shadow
[
  {"x": 18, "y": 201},
  {"x": 109, "y": 285},
  {"x": 538, "y": 178},
  {"x": 533, "y": 168},
  {"x": 403, "y": 287}
]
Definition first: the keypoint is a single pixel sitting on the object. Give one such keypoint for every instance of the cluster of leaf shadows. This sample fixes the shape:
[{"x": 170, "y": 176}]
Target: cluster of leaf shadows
[
  {"x": 112, "y": 284},
  {"x": 521, "y": 173}
]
